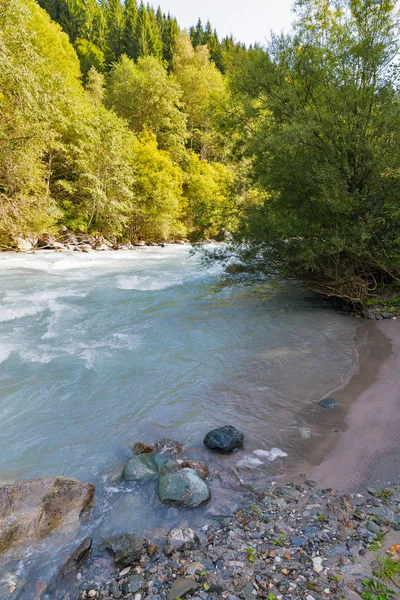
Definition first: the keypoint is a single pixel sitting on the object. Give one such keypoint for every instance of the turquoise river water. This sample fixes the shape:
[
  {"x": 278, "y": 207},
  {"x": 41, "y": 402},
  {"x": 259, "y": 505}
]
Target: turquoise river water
[{"x": 100, "y": 350}]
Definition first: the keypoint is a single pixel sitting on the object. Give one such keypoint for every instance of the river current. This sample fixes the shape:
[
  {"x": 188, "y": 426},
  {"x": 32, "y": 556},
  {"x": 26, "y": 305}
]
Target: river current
[{"x": 100, "y": 350}]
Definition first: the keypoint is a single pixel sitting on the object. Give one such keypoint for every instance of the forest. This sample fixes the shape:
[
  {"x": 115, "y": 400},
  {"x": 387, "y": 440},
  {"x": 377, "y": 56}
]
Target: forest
[{"x": 115, "y": 121}]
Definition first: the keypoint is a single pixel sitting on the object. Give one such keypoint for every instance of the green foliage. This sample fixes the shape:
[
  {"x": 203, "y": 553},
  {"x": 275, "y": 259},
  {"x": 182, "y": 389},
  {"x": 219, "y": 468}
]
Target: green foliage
[
  {"x": 147, "y": 97},
  {"x": 204, "y": 97},
  {"x": 321, "y": 121},
  {"x": 250, "y": 554},
  {"x": 208, "y": 188},
  {"x": 376, "y": 590},
  {"x": 384, "y": 494}
]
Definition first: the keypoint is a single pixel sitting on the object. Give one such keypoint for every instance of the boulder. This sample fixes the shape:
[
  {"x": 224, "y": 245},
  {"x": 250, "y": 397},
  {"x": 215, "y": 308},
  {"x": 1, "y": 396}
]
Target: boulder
[
  {"x": 140, "y": 243},
  {"x": 30, "y": 509},
  {"x": 179, "y": 536},
  {"x": 126, "y": 549},
  {"x": 183, "y": 488},
  {"x": 46, "y": 241},
  {"x": 168, "y": 446},
  {"x": 24, "y": 244},
  {"x": 145, "y": 467},
  {"x": 199, "y": 466},
  {"x": 224, "y": 439}
]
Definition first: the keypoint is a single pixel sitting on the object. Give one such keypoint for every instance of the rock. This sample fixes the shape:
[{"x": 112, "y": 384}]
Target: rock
[
  {"x": 336, "y": 551},
  {"x": 224, "y": 439},
  {"x": 384, "y": 513},
  {"x": 182, "y": 587},
  {"x": 248, "y": 592},
  {"x": 373, "y": 527},
  {"x": 183, "y": 488},
  {"x": 139, "y": 244},
  {"x": 24, "y": 244},
  {"x": 30, "y": 509},
  {"x": 140, "y": 448},
  {"x": 77, "y": 558},
  {"x": 168, "y": 446},
  {"x": 144, "y": 467},
  {"x": 168, "y": 550},
  {"x": 137, "y": 582},
  {"x": 199, "y": 466},
  {"x": 46, "y": 241},
  {"x": 126, "y": 549},
  {"x": 328, "y": 402},
  {"x": 317, "y": 564},
  {"x": 178, "y": 537}
]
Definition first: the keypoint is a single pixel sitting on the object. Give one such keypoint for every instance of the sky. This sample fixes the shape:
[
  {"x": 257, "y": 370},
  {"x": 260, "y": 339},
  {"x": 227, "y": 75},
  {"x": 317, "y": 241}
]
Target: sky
[{"x": 248, "y": 21}]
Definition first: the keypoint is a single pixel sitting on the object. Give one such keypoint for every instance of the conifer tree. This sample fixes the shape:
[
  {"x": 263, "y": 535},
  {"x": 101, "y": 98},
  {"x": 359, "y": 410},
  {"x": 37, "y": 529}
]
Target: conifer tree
[
  {"x": 130, "y": 18},
  {"x": 197, "y": 34},
  {"x": 115, "y": 24},
  {"x": 147, "y": 40}
]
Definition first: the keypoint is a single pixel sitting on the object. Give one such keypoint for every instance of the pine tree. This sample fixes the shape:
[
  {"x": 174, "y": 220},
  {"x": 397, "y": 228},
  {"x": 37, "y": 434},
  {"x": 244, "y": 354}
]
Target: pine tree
[
  {"x": 197, "y": 34},
  {"x": 115, "y": 23},
  {"x": 130, "y": 18},
  {"x": 169, "y": 32},
  {"x": 147, "y": 39}
]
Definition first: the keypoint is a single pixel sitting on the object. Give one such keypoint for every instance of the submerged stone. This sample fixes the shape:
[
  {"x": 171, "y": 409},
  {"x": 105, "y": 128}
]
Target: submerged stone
[
  {"x": 328, "y": 402},
  {"x": 145, "y": 467},
  {"x": 224, "y": 439},
  {"x": 183, "y": 488}
]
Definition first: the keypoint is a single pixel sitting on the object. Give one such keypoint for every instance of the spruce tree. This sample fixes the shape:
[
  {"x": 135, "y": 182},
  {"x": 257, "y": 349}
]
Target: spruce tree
[
  {"x": 147, "y": 39},
  {"x": 115, "y": 23},
  {"x": 130, "y": 18}
]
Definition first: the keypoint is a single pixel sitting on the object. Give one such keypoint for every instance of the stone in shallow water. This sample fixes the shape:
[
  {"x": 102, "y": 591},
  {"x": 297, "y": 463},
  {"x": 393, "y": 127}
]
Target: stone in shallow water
[
  {"x": 145, "y": 467},
  {"x": 79, "y": 556},
  {"x": 126, "y": 549},
  {"x": 141, "y": 448},
  {"x": 224, "y": 439},
  {"x": 182, "y": 587},
  {"x": 328, "y": 402},
  {"x": 31, "y": 509},
  {"x": 199, "y": 466},
  {"x": 168, "y": 446},
  {"x": 183, "y": 488}
]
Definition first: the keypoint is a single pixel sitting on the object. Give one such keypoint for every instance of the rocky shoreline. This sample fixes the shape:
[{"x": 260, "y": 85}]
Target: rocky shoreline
[
  {"x": 290, "y": 542},
  {"x": 287, "y": 542},
  {"x": 79, "y": 242}
]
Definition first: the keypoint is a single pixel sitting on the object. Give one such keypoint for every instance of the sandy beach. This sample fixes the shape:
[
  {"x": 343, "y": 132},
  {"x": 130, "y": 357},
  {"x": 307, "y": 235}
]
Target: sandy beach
[{"x": 367, "y": 452}]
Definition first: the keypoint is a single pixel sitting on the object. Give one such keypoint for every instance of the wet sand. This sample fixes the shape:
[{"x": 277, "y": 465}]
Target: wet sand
[{"x": 367, "y": 452}]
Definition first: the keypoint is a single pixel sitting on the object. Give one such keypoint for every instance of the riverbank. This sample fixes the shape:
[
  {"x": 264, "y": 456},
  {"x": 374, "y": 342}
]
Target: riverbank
[{"x": 368, "y": 452}]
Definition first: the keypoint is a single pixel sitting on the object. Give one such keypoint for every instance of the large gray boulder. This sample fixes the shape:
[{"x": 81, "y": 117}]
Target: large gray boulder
[
  {"x": 224, "y": 439},
  {"x": 183, "y": 488},
  {"x": 31, "y": 509},
  {"x": 145, "y": 467}
]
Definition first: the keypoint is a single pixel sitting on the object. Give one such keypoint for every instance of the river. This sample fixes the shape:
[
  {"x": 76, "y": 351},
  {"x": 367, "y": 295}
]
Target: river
[{"x": 100, "y": 350}]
